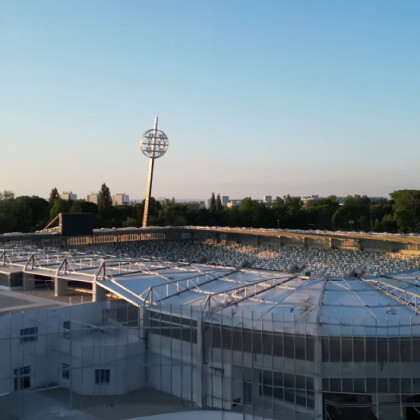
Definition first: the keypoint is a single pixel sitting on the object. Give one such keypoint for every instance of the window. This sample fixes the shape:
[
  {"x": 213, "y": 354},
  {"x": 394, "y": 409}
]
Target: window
[
  {"x": 66, "y": 329},
  {"x": 22, "y": 378},
  {"x": 175, "y": 327},
  {"x": 28, "y": 334},
  {"x": 102, "y": 376},
  {"x": 65, "y": 371}
]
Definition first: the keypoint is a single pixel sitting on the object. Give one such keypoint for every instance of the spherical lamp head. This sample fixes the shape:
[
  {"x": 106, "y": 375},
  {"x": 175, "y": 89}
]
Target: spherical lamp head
[{"x": 154, "y": 143}]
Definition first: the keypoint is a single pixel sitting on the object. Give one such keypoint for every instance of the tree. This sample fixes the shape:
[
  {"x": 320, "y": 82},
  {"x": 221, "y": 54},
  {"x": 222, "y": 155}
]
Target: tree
[
  {"x": 219, "y": 206},
  {"x": 380, "y": 209},
  {"x": 407, "y": 210},
  {"x": 54, "y": 195},
  {"x": 354, "y": 214},
  {"x": 7, "y": 195},
  {"x": 212, "y": 203},
  {"x": 319, "y": 212},
  {"x": 173, "y": 215},
  {"x": 60, "y": 206},
  {"x": 83, "y": 206},
  {"x": 104, "y": 200}
]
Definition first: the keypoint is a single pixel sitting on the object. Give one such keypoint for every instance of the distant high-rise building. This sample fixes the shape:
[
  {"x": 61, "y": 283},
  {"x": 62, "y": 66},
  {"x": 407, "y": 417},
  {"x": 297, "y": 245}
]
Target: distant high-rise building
[
  {"x": 68, "y": 196},
  {"x": 93, "y": 198},
  {"x": 120, "y": 199},
  {"x": 163, "y": 201},
  {"x": 267, "y": 199}
]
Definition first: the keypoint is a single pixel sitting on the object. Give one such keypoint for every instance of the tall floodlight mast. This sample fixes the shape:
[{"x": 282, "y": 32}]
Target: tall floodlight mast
[{"x": 154, "y": 144}]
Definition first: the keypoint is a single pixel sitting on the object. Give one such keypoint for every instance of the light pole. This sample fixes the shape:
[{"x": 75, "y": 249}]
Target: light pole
[
  {"x": 154, "y": 144},
  {"x": 351, "y": 224}
]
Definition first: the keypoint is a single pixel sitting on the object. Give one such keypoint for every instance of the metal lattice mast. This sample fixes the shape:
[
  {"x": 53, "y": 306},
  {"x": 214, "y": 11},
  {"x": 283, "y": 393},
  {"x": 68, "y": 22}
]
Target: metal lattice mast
[{"x": 154, "y": 144}]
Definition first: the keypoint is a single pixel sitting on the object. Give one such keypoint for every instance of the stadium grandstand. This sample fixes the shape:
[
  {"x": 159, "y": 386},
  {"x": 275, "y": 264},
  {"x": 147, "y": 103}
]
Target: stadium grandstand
[{"x": 259, "y": 324}]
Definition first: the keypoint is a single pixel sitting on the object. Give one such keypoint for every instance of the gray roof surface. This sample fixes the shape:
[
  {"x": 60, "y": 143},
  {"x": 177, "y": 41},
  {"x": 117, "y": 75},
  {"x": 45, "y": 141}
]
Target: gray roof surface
[{"x": 277, "y": 300}]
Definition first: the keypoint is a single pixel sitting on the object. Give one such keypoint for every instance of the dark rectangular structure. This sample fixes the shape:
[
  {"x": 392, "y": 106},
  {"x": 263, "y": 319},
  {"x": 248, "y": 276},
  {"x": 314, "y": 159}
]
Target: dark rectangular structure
[{"x": 76, "y": 224}]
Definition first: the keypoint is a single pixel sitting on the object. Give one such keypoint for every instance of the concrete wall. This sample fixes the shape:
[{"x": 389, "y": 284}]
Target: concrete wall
[{"x": 84, "y": 348}]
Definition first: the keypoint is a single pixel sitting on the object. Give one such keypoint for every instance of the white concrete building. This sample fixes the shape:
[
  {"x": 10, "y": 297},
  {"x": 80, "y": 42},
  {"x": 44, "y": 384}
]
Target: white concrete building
[
  {"x": 68, "y": 196},
  {"x": 93, "y": 198},
  {"x": 120, "y": 199}
]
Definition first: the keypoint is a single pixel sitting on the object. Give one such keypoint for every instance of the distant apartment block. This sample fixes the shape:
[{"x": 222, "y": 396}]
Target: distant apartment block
[
  {"x": 233, "y": 203},
  {"x": 163, "y": 200},
  {"x": 120, "y": 199},
  {"x": 267, "y": 199},
  {"x": 68, "y": 196},
  {"x": 199, "y": 204},
  {"x": 225, "y": 200},
  {"x": 307, "y": 198},
  {"x": 93, "y": 198}
]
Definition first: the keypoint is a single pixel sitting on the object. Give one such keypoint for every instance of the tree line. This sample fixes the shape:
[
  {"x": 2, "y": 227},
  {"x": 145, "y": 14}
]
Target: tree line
[{"x": 400, "y": 213}]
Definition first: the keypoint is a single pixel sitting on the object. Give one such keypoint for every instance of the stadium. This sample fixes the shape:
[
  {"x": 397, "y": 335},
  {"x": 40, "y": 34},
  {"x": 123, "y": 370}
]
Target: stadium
[{"x": 262, "y": 324}]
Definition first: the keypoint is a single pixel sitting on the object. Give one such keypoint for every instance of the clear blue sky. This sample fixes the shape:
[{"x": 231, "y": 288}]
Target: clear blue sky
[{"x": 256, "y": 97}]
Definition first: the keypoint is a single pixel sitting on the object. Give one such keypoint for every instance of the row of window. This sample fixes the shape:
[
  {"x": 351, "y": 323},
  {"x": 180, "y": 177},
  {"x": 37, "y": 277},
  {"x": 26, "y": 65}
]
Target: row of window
[
  {"x": 370, "y": 349},
  {"x": 173, "y": 319},
  {"x": 175, "y": 331},
  {"x": 372, "y": 385},
  {"x": 173, "y": 326},
  {"x": 301, "y": 347},
  {"x": 296, "y": 389},
  {"x": 268, "y": 343}
]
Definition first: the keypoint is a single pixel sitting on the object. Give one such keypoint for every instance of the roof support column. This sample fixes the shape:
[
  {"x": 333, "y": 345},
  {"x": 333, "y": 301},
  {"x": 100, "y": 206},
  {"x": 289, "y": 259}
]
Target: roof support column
[
  {"x": 98, "y": 292},
  {"x": 60, "y": 287},
  {"x": 28, "y": 281}
]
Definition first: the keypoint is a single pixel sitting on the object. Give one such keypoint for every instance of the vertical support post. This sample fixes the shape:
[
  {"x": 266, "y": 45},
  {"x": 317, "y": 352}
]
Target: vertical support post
[
  {"x": 60, "y": 286},
  {"x": 150, "y": 178}
]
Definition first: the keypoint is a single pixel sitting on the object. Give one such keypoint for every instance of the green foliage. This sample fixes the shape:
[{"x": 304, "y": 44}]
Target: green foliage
[
  {"x": 354, "y": 214},
  {"x": 320, "y": 212},
  {"x": 26, "y": 214},
  {"x": 219, "y": 206},
  {"x": 60, "y": 206},
  {"x": 54, "y": 195},
  {"x": 212, "y": 203},
  {"x": 22, "y": 214},
  {"x": 173, "y": 214},
  {"x": 7, "y": 195},
  {"x": 104, "y": 201},
  {"x": 406, "y": 210}
]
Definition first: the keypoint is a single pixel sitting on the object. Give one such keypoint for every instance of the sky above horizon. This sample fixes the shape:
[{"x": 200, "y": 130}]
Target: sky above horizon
[{"x": 256, "y": 97}]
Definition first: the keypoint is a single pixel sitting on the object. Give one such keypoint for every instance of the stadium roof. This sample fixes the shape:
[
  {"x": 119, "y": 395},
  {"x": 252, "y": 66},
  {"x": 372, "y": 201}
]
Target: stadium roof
[{"x": 276, "y": 300}]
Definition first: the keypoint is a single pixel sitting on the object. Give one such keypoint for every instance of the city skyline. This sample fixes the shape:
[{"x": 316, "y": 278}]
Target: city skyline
[{"x": 275, "y": 97}]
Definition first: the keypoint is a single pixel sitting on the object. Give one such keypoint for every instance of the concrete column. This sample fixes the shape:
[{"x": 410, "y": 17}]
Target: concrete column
[
  {"x": 60, "y": 287},
  {"x": 28, "y": 281},
  {"x": 98, "y": 293}
]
